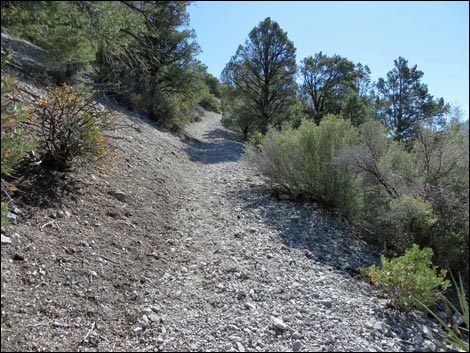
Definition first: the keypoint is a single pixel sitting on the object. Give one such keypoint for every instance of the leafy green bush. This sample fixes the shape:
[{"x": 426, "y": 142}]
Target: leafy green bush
[
  {"x": 409, "y": 278},
  {"x": 213, "y": 84},
  {"x": 409, "y": 219},
  {"x": 72, "y": 125},
  {"x": 209, "y": 102},
  {"x": 255, "y": 138},
  {"x": 172, "y": 111}
]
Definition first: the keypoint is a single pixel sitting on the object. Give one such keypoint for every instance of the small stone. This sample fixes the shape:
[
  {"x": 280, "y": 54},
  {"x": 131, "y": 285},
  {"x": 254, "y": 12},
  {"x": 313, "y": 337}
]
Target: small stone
[
  {"x": 308, "y": 254},
  {"x": 156, "y": 308},
  {"x": 67, "y": 214},
  {"x": 285, "y": 248},
  {"x": 297, "y": 346},
  {"x": 12, "y": 217},
  {"x": 184, "y": 269},
  {"x": 5, "y": 240},
  {"x": 279, "y": 323},
  {"x": 138, "y": 329},
  {"x": 153, "y": 317},
  {"x": 252, "y": 229},
  {"x": 379, "y": 326},
  {"x": 17, "y": 211},
  {"x": 428, "y": 346},
  {"x": 458, "y": 319},
  {"x": 240, "y": 347},
  {"x": 427, "y": 332},
  {"x": 442, "y": 315},
  {"x": 326, "y": 303},
  {"x": 166, "y": 276},
  {"x": 118, "y": 195},
  {"x": 60, "y": 214},
  {"x": 418, "y": 339},
  {"x": 296, "y": 335},
  {"x": 250, "y": 306}
]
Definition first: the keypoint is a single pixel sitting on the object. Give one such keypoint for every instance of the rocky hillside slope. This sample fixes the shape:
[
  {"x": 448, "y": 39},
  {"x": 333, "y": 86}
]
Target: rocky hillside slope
[{"x": 177, "y": 245}]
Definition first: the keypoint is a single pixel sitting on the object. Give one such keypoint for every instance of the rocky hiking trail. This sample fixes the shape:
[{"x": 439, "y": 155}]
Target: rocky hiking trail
[{"x": 179, "y": 246}]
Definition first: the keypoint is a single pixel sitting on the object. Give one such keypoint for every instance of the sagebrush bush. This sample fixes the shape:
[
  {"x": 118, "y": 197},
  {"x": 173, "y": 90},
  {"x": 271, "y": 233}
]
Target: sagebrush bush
[
  {"x": 72, "y": 125},
  {"x": 394, "y": 195},
  {"x": 303, "y": 160},
  {"x": 409, "y": 278}
]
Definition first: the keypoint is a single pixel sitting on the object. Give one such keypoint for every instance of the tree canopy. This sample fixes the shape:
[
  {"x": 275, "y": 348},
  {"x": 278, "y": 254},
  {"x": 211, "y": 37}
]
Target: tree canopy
[
  {"x": 261, "y": 74},
  {"x": 403, "y": 101},
  {"x": 327, "y": 81}
]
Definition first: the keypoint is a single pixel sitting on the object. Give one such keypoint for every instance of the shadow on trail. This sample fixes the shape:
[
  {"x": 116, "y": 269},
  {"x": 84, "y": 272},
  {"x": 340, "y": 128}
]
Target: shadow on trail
[
  {"x": 222, "y": 146},
  {"x": 304, "y": 226},
  {"x": 214, "y": 152}
]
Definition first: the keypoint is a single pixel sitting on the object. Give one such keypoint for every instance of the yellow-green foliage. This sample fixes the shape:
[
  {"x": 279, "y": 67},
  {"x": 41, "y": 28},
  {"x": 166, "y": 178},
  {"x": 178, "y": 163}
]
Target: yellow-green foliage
[
  {"x": 410, "y": 277},
  {"x": 72, "y": 125},
  {"x": 255, "y": 138}
]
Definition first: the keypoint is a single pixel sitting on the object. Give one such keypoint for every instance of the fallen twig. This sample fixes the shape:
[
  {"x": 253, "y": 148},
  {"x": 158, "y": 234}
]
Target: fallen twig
[
  {"x": 46, "y": 224},
  {"x": 88, "y": 333}
]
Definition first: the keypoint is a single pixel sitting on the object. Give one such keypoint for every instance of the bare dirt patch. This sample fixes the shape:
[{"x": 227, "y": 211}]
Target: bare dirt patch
[{"x": 87, "y": 249}]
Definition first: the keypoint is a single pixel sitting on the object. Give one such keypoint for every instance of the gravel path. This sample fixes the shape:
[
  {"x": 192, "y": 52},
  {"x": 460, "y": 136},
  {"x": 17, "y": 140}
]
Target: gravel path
[
  {"x": 254, "y": 273},
  {"x": 177, "y": 245}
]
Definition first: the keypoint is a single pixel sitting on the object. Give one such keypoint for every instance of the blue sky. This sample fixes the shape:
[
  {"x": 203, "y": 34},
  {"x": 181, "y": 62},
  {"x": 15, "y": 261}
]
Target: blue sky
[{"x": 432, "y": 35}]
